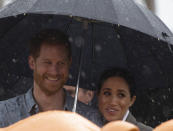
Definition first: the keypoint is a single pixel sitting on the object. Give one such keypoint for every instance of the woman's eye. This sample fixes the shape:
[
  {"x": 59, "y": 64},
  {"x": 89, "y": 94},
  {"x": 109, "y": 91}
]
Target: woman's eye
[
  {"x": 106, "y": 93},
  {"x": 121, "y": 95}
]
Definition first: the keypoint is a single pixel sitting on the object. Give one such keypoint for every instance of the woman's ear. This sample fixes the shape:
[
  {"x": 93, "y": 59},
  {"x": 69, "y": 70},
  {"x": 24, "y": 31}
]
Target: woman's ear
[
  {"x": 133, "y": 99},
  {"x": 31, "y": 62}
]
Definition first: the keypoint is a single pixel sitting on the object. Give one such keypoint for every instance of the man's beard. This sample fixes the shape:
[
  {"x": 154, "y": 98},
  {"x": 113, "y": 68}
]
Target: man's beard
[{"x": 40, "y": 81}]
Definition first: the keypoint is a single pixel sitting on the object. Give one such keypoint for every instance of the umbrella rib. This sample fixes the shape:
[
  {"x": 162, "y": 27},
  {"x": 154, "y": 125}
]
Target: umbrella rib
[
  {"x": 94, "y": 4},
  {"x": 143, "y": 15}
]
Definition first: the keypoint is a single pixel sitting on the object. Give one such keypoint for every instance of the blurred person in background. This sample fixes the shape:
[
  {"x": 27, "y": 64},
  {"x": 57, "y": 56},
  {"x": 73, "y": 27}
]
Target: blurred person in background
[{"x": 84, "y": 95}]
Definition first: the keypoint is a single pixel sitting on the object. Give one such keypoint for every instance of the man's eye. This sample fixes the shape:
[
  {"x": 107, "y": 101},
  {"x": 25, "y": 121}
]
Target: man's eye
[
  {"x": 61, "y": 63},
  {"x": 106, "y": 93}
]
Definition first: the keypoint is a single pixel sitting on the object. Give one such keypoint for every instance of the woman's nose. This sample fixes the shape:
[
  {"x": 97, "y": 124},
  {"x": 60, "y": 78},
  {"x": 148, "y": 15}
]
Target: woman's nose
[{"x": 114, "y": 100}]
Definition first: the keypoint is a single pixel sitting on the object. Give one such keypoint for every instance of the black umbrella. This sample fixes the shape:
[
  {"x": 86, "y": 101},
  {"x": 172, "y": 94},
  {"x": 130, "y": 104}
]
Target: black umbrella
[
  {"x": 108, "y": 33},
  {"x": 122, "y": 12}
]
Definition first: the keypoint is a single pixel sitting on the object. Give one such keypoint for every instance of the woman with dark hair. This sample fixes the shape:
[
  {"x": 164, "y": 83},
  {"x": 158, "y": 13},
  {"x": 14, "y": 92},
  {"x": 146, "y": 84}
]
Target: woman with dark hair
[{"x": 116, "y": 94}]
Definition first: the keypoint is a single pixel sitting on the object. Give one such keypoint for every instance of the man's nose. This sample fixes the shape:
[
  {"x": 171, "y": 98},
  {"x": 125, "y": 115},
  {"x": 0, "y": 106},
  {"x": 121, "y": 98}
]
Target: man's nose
[{"x": 54, "y": 69}]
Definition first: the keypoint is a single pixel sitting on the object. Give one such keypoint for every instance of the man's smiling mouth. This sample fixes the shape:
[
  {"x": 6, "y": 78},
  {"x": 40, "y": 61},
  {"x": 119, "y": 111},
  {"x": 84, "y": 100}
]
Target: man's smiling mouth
[{"x": 52, "y": 78}]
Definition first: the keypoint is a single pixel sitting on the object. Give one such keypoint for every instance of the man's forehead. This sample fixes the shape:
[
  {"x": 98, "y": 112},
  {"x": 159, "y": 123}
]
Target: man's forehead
[
  {"x": 59, "y": 49},
  {"x": 51, "y": 44}
]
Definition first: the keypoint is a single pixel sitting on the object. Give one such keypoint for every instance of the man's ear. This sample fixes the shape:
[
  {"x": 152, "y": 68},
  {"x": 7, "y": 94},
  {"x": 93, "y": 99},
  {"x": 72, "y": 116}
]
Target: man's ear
[{"x": 31, "y": 62}]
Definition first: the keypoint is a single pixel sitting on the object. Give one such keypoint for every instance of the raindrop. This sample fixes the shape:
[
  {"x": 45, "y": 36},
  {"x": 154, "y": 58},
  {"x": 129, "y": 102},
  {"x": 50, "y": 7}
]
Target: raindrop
[
  {"x": 154, "y": 117},
  {"x": 164, "y": 97},
  {"x": 14, "y": 60},
  {"x": 145, "y": 122},
  {"x": 152, "y": 100},
  {"x": 70, "y": 39},
  {"x": 79, "y": 41},
  {"x": 93, "y": 84},
  {"x": 70, "y": 76},
  {"x": 98, "y": 48},
  {"x": 118, "y": 36},
  {"x": 169, "y": 89},
  {"x": 83, "y": 74}
]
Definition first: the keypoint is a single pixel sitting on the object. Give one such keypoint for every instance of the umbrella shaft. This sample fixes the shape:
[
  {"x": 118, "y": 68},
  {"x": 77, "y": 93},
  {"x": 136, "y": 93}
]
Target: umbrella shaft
[{"x": 78, "y": 79}]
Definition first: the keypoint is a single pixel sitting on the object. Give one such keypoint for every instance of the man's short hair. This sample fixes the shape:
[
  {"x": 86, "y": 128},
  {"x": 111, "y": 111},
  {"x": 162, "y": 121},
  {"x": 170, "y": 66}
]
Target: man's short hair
[{"x": 50, "y": 37}]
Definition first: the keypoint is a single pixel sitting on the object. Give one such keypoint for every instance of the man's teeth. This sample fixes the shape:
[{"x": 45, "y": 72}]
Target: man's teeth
[{"x": 52, "y": 79}]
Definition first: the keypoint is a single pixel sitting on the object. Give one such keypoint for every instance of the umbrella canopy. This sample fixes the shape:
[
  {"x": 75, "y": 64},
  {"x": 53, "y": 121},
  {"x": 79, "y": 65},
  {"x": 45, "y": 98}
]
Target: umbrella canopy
[
  {"x": 104, "y": 45},
  {"x": 123, "y": 12},
  {"x": 115, "y": 33}
]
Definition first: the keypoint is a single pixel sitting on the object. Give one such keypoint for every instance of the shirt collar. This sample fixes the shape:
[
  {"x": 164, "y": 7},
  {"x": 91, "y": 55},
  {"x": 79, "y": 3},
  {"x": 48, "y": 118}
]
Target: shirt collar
[
  {"x": 30, "y": 102},
  {"x": 126, "y": 115},
  {"x": 68, "y": 101},
  {"x": 32, "y": 105}
]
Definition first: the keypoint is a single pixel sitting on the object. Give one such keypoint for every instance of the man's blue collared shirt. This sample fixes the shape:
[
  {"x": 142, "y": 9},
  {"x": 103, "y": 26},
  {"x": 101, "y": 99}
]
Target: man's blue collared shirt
[{"x": 23, "y": 106}]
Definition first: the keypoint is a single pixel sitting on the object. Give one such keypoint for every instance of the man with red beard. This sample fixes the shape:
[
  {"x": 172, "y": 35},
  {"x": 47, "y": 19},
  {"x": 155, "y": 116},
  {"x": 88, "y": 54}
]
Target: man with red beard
[{"x": 50, "y": 59}]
